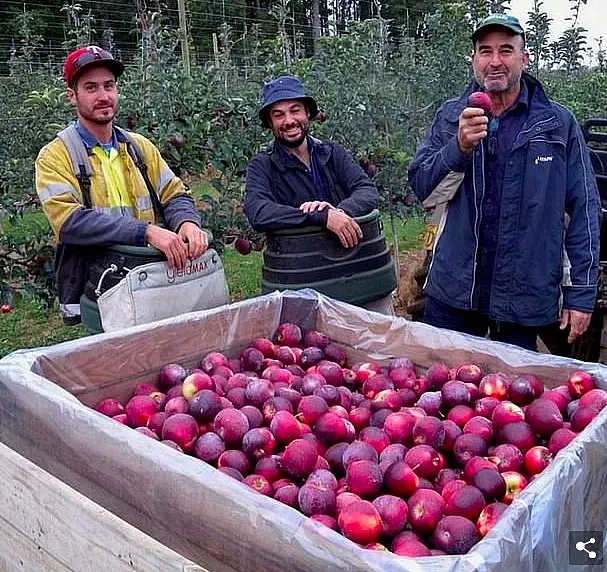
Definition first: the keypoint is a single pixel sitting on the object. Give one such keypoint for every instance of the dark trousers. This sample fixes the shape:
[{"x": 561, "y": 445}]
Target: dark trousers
[{"x": 477, "y": 324}]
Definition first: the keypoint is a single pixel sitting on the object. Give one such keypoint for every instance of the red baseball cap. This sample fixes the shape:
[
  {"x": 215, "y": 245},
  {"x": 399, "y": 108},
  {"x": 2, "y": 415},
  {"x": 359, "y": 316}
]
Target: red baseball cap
[{"x": 82, "y": 58}]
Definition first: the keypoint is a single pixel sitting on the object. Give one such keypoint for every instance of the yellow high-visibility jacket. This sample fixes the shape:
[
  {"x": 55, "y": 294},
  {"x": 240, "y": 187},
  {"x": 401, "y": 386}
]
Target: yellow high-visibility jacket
[
  {"x": 79, "y": 231},
  {"x": 62, "y": 202}
]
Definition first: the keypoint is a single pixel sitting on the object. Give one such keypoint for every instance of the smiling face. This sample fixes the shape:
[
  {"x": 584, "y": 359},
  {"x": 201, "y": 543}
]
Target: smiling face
[
  {"x": 290, "y": 122},
  {"x": 95, "y": 96},
  {"x": 499, "y": 60}
]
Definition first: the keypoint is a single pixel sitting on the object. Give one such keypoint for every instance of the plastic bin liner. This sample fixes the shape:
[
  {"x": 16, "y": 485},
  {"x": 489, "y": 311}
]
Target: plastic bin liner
[{"x": 220, "y": 523}]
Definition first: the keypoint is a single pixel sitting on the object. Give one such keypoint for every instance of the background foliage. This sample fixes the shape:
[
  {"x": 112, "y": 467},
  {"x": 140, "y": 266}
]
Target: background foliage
[{"x": 378, "y": 70}]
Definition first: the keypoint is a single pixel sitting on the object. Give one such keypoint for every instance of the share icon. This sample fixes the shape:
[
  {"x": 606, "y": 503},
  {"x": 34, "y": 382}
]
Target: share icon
[
  {"x": 581, "y": 547},
  {"x": 586, "y": 547}
]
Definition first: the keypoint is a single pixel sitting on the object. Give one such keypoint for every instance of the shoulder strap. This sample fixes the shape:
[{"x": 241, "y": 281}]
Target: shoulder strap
[
  {"x": 137, "y": 156},
  {"x": 79, "y": 157}
]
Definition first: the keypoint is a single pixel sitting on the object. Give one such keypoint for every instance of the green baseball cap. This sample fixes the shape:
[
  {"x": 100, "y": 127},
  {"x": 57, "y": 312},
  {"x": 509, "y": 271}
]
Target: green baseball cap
[{"x": 503, "y": 20}]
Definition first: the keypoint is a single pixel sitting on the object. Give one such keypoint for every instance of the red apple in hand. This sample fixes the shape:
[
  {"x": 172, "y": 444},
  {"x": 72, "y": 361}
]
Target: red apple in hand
[{"x": 480, "y": 99}]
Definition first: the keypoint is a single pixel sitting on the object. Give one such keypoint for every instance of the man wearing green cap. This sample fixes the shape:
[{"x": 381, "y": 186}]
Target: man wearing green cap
[{"x": 524, "y": 210}]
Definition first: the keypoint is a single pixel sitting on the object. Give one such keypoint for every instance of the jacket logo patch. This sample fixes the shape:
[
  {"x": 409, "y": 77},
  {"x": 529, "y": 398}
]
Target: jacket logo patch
[
  {"x": 190, "y": 268},
  {"x": 539, "y": 159}
]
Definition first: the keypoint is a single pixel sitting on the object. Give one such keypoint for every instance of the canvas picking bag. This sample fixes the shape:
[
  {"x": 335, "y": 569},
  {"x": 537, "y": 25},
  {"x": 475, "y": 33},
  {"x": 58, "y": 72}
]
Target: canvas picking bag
[{"x": 155, "y": 291}]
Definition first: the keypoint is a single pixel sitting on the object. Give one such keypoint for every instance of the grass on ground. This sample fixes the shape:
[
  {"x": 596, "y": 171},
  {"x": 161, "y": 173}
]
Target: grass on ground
[{"x": 28, "y": 325}]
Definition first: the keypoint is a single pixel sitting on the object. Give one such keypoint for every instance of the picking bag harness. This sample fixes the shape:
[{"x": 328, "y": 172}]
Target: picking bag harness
[{"x": 82, "y": 164}]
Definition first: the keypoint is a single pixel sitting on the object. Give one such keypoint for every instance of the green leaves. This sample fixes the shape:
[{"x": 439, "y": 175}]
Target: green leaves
[{"x": 379, "y": 83}]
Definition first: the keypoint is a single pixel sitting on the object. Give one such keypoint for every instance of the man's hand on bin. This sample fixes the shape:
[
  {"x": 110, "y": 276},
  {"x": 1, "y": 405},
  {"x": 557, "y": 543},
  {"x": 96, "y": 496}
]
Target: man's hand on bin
[
  {"x": 312, "y": 206},
  {"x": 345, "y": 227},
  {"x": 169, "y": 243},
  {"x": 197, "y": 239}
]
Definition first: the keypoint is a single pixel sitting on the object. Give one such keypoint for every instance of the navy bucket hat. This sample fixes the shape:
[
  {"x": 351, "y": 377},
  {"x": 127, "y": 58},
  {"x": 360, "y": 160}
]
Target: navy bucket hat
[{"x": 280, "y": 89}]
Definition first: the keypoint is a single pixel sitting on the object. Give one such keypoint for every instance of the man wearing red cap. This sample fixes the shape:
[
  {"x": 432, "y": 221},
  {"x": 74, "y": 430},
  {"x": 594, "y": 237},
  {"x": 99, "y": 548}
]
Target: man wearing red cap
[{"x": 122, "y": 192}]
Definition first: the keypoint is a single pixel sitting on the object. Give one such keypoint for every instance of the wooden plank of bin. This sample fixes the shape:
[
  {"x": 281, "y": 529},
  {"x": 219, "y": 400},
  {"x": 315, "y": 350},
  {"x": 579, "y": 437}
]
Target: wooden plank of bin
[{"x": 47, "y": 525}]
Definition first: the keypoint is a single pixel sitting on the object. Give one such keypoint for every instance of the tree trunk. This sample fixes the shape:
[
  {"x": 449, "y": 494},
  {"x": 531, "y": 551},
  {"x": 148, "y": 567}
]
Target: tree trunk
[
  {"x": 365, "y": 10},
  {"x": 315, "y": 22}
]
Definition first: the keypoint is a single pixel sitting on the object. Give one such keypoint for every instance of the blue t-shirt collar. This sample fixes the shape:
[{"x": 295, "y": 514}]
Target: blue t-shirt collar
[{"x": 91, "y": 141}]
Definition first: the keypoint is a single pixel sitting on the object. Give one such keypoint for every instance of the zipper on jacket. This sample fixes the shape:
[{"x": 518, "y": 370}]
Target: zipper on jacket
[
  {"x": 477, "y": 217},
  {"x": 516, "y": 146}
]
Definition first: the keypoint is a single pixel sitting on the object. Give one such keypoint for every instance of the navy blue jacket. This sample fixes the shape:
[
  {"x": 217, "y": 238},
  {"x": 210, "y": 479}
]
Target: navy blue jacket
[
  {"x": 276, "y": 187},
  {"x": 548, "y": 175}
]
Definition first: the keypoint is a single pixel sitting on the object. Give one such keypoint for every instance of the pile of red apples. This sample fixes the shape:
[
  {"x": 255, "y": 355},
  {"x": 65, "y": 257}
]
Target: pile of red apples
[{"x": 419, "y": 464}]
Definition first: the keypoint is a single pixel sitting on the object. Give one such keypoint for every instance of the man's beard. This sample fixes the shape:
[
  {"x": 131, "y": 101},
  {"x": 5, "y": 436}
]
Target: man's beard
[
  {"x": 499, "y": 86},
  {"x": 100, "y": 119},
  {"x": 294, "y": 143},
  {"x": 103, "y": 121}
]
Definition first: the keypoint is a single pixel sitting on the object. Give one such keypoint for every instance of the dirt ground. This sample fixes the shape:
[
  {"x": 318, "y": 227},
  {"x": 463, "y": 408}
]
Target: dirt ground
[{"x": 407, "y": 286}]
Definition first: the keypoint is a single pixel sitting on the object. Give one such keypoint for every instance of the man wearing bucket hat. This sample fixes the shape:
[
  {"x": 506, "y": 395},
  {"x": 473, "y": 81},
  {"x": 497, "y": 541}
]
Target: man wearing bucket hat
[
  {"x": 525, "y": 210},
  {"x": 100, "y": 185},
  {"x": 300, "y": 180}
]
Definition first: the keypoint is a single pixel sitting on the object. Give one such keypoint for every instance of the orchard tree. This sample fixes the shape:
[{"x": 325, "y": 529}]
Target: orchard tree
[
  {"x": 571, "y": 47},
  {"x": 29, "y": 41},
  {"x": 479, "y": 9},
  {"x": 538, "y": 30}
]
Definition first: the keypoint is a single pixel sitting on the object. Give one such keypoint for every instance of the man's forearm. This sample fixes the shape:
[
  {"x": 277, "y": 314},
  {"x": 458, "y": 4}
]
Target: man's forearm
[
  {"x": 268, "y": 216},
  {"x": 88, "y": 227},
  {"x": 181, "y": 209}
]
